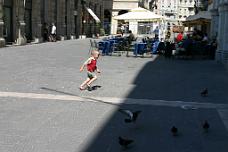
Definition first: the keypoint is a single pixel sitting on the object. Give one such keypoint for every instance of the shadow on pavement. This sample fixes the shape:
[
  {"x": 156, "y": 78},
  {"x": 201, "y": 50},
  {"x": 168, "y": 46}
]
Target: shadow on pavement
[
  {"x": 171, "y": 80},
  {"x": 181, "y": 80},
  {"x": 72, "y": 94}
]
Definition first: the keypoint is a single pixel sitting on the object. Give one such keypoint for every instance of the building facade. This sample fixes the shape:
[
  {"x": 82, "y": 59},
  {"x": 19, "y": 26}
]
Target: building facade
[
  {"x": 22, "y": 21},
  {"x": 186, "y": 8},
  {"x": 120, "y": 7},
  {"x": 219, "y": 29},
  {"x": 173, "y": 9}
]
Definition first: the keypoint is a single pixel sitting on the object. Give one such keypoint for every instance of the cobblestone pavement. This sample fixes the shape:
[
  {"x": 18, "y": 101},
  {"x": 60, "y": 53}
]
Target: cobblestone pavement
[{"x": 42, "y": 109}]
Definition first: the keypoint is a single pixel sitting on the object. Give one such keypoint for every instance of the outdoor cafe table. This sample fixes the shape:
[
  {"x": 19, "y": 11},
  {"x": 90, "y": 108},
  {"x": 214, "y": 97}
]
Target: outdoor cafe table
[
  {"x": 139, "y": 48},
  {"x": 105, "y": 47}
]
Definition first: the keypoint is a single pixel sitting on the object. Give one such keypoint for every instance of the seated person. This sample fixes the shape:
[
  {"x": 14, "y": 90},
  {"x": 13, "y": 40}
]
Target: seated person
[{"x": 131, "y": 37}]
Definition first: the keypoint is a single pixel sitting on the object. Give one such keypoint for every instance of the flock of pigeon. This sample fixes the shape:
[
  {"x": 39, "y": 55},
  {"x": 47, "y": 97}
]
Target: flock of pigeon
[{"x": 132, "y": 117}]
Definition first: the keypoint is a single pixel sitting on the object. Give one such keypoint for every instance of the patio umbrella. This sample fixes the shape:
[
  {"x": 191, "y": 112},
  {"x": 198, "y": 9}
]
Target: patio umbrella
[{"x": 139, "y": 14}]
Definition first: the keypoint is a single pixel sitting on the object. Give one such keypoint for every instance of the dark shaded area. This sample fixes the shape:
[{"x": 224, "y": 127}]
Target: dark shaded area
[
  {"x": 170, "y": 80},
  {"x": 152, "y": 130},
  {"x": 181, "y": 80}
]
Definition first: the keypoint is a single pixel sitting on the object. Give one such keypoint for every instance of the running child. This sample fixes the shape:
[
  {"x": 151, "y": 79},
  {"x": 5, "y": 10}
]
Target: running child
[{"x": 91, "y": 65}]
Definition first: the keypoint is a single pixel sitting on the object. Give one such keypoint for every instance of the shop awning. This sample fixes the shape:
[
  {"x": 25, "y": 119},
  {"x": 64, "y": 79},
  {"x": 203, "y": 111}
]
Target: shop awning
[
  {"x": 200, "y": 15},
  {"x": 203, "y": 17},
  {"x": 93, "y": 15}
]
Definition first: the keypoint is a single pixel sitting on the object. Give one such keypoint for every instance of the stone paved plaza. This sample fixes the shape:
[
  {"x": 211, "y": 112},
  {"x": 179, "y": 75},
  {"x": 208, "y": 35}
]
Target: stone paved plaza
[{"x": 42, "y": 109}]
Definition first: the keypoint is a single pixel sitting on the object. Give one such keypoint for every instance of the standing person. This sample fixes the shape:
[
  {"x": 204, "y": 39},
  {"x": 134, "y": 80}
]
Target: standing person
[
  {"x": 168, "y": 50},
  {"x": 187, "y": 45},
  {"x": 156, "y": 32},
  {"x": 91, "y": 65},
  {"x": 131, "y": 37},
  {"x": 205, "y": 38},
  {"x": 179, "y": 37},
  {"x": 53, "y": 33},
  {"x": 122, "y": 29}
]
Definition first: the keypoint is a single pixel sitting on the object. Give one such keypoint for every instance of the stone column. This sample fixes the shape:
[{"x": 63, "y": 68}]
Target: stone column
[
  {"x": 48, "y": 8},
  {"x": 225, "y": 33},
  {"x": 20, "y": 23},
  {"x": 2, "y": 40},
  {"x": 220, "y": 34},
  {"x": 102, "y": 13},
  {"x": 70, "y": 19},
  {"x": 49, "y": 12},
  {"x": 101, "y": 16},
  {"x": 36, "y": 20},
  {"x": 61, "y": 26},
  {"x": 214, "y": 23},
  {"x": 80, "y": 13},
  {"x": 114, "y": 23}
]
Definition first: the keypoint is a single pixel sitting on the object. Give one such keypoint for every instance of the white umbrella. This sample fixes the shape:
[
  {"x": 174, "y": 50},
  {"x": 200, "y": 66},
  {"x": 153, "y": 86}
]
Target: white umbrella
[{"x": 139, "y": 14}]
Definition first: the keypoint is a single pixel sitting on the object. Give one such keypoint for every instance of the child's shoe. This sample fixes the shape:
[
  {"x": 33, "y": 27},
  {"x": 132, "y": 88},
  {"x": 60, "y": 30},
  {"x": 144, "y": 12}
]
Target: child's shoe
[{"x": 89, "y": 88}]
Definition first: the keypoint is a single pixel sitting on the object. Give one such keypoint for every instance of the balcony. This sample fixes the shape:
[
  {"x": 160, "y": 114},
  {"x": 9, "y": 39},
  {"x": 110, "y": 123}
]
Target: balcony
[
  {"x": 169, "y": 11},
  {"x": 187, "y": 4}
]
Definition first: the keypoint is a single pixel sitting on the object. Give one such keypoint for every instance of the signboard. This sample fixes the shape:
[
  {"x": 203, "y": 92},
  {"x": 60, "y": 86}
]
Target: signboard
[{"x": 93, "y": 15}]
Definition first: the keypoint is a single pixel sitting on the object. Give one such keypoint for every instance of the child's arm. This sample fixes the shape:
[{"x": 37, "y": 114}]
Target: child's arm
[
  {"x": 82, "y": 67},
  {"x": 98, "y": 71},
  {"x": 84, "y": 64}
]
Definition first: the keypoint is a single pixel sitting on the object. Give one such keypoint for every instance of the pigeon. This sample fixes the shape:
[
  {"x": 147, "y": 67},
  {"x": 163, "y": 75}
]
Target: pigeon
[
  {"x": 206, "y": 126},
  {"x": 204, "y": 93},
  {"x": 174, "y": 131},
  {"x": 132, "y": 116},
  {"x": 125, "y": 142}
]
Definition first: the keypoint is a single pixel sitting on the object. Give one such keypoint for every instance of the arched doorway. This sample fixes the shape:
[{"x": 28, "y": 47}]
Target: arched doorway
[
  {"x": 8, "y": 20},
  {"x": 28, "y": 20},
  {"x": 107, "y": 21}
]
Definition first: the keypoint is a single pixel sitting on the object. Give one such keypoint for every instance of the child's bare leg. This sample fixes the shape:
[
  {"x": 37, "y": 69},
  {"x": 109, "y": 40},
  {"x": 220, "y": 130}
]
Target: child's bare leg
[
  {"x": 84, "y": 83},
  {"x": 91, "y": 80}
]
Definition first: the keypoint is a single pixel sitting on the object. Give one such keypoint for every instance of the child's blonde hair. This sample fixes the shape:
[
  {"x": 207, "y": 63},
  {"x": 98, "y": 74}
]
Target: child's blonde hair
[{"x": 95, "y": 53}]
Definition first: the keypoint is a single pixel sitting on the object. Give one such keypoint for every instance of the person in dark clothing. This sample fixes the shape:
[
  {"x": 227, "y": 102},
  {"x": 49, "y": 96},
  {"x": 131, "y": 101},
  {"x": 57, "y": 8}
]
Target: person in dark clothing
[
  {"x": 131, "y": 37},
  {"x": 161, "y": 47},
  {"x": 168, "y": 50},
  {"x": 187, "y": 45},
  {"x": 213, "y": 49},
  {"x": 45, "y": 32}
]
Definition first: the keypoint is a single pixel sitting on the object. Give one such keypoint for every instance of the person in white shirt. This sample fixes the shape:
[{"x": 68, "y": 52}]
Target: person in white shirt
[{"x": 53, "y": 33}]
